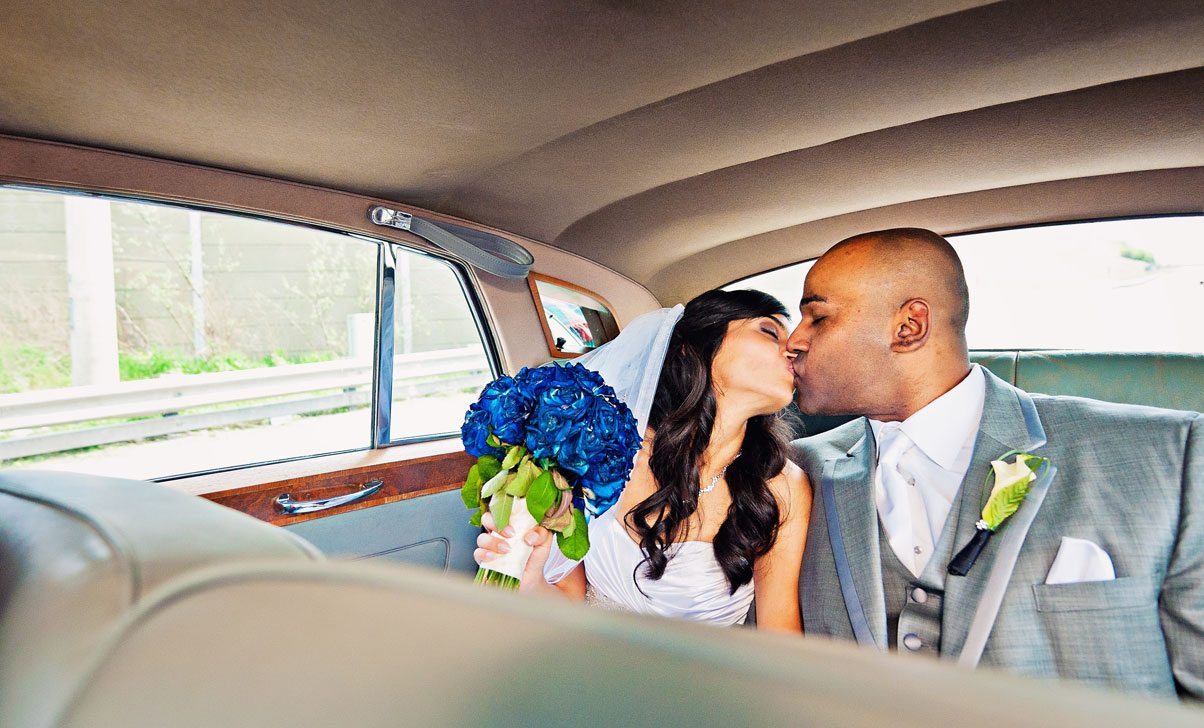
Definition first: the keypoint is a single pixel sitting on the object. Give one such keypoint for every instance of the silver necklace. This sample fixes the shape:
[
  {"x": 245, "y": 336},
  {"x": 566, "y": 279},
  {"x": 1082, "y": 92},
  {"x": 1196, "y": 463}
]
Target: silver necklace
[{"x": 715, "y": 480}]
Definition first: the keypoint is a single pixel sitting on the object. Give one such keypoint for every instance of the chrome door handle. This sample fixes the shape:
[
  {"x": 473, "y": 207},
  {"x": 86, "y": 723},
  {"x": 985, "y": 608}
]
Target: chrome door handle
[{"x": 285, "y": 502}]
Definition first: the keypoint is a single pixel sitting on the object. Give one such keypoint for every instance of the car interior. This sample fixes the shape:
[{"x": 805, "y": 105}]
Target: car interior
[{"x": 633, "y": 155}]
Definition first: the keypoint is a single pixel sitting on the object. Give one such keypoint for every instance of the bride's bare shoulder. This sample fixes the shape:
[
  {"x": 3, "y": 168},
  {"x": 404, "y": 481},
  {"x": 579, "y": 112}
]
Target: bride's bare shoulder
[{"x": 791, "y": 486}]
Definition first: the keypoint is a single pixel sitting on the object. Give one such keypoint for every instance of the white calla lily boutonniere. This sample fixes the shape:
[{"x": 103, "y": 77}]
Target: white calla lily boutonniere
[{"x": 1012, "y": 482}]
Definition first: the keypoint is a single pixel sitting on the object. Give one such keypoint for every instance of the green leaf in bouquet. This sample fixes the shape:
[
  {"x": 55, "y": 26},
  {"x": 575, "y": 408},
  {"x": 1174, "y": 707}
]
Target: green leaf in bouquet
[
  {"x": 471, "y": 492},
  {"x": 521, "y": 481},
  {"x": 574, "y": 545},
  {"x": 488, "y": 466},
  {"x": 475, "y": 518},
  {"x": 500, "y": 507},
  {"x": 494, "y": 484},
  {"x": 513, "y": 455},
  {"x": 492, "y": 441},
  {"x": 541, "y": 496}
]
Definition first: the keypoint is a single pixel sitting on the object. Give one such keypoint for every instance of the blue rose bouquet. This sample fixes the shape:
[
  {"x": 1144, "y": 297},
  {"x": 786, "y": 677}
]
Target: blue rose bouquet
[{"x": 554, "y": 447}]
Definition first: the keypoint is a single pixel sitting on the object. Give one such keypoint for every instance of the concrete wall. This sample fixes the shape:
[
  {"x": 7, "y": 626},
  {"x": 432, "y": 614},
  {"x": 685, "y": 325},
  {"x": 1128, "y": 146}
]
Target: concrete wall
[{"x": 33, "y": 272}]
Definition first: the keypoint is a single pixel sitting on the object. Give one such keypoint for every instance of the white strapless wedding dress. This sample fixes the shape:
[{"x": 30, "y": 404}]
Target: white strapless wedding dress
[{"x": 693, "y": 587}]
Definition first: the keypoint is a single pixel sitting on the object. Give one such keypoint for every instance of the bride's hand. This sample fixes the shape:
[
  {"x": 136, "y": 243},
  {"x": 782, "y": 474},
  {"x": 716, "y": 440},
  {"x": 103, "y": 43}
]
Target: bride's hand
[{"x": 491, "y": 544}]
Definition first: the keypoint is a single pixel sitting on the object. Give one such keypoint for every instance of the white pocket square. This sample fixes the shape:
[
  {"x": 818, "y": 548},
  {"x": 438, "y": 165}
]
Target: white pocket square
[{"x": 1079, "y": 560}]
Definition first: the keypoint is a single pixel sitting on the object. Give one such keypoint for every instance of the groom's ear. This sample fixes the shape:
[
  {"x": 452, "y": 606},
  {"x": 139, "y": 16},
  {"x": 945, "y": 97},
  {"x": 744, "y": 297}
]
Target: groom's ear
[{"x": 911, "y": 326}]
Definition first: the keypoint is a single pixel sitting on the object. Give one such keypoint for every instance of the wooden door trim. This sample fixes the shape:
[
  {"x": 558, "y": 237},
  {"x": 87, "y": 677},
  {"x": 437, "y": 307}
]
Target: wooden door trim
[{"x": 402, "y": 480}]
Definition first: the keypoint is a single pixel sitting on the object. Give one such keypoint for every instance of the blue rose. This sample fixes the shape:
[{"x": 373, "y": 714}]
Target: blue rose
[
  {"x": 565, "y": 397},
  {"x": 590, "y": 381},
  {"x": 611, "y": 424},
  {"x": 508, "y": 406},
  {"x": 534, "y": 381},
  {"x": 585, "y": 449},
  {"x": 607, "y": 476},
  {"x": 561, "y": 403},
  {"x": 574, "y": 453},
  {"x": 475, "y": 432},
  {"x": 547, "y": 430},
  {"x": 611, "y": 465}
]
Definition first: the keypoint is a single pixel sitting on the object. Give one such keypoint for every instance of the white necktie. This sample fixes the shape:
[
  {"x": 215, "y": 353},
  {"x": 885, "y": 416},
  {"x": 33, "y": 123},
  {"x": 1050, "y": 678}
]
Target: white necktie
[{"x": 898, "y": 504}]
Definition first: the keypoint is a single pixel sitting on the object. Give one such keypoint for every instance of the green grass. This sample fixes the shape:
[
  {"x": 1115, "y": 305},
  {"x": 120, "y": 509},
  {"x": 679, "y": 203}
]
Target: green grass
[
  {"x": 156, "y": 363},
  {"x": 25, "y": 368}
]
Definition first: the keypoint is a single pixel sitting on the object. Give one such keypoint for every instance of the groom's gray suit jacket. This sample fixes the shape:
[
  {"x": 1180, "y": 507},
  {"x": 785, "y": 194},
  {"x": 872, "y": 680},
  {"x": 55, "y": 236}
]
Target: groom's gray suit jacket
[{"x": 1130, "y": 479}]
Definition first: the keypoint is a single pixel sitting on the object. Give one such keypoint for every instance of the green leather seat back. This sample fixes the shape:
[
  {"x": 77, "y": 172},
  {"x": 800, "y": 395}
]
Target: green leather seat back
[
  {"x": 1000, "y": 363},
  {"x": 1173, "y": 381}
]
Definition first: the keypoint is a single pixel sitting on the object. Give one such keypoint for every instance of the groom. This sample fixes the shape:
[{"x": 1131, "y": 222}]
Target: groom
[{"x": 1098, "y": 576}]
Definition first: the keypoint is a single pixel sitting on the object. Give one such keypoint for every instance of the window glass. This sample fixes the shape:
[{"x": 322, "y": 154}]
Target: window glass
[
  {"x": 146, "y": 340},
  {"x": 1118, "y": 285},
  {"x": 1114, "y": 285},
  {"x": 440, "y": 364},
  {"x": 784, "y": 284}
]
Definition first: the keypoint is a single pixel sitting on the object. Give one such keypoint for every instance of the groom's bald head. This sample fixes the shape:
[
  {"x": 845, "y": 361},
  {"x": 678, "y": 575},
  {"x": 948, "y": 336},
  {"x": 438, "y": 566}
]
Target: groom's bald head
[
  {"x": 914, "y": 263},
  {"x": 883, "y": 325}
]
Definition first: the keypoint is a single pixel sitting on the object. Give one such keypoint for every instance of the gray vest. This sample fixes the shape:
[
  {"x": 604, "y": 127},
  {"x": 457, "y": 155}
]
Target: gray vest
[{"x": 914, "y": 605}]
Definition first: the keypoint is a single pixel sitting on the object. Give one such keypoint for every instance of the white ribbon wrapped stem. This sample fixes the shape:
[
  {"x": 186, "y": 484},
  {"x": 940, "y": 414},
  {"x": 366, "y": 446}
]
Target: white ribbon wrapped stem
[{"x": 514, "y": 561}]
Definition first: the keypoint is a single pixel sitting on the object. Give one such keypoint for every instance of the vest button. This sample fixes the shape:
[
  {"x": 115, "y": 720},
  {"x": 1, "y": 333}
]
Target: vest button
[
  {"x": 918, "y": 595},
  {"x": 913, "y": 642}
]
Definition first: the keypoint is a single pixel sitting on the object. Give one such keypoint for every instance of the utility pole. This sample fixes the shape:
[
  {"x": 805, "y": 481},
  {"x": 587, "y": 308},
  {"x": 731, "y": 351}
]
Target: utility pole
[
  {"x": 196, "y": 280},
  {"x": 90, "y": 290}
]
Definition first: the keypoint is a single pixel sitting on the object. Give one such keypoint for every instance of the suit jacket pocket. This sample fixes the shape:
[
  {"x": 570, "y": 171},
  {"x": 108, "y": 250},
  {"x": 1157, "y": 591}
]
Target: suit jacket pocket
[{"x": 1124, "y": 593}]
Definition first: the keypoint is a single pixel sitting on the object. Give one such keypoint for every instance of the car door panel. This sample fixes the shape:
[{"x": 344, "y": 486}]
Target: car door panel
[
  {"x": 430, "y": 531},
  {"x": 415, "y": 517}
]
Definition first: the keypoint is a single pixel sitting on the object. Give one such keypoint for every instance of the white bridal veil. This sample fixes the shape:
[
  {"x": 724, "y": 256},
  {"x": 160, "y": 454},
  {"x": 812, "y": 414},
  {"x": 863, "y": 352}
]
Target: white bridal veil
[{"x": 632, "y": 363}]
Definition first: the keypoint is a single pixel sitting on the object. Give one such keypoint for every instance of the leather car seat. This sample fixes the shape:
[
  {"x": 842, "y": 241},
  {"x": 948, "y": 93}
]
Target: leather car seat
[
  {"x": 366, "y": 645},
  {"x": 77, "y": 552}
]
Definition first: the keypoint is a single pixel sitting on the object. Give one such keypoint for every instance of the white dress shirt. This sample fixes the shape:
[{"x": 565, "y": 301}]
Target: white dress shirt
[{"x": 918, "y": 476}]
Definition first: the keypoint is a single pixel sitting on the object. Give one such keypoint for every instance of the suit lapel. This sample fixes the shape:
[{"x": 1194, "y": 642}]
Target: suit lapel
[
  {"x": 1009, "y": 422},
  {"x": 853, "y": 530},
  {"x": 963, "y": 592}
]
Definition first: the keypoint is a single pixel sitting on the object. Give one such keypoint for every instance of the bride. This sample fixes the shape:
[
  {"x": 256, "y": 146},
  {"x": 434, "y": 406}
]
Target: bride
[{"x": 713, "y": 513}]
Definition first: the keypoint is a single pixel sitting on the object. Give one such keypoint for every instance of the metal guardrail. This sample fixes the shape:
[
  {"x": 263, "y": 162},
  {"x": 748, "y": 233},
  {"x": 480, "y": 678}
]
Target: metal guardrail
[{"x": 166, "y": 401}]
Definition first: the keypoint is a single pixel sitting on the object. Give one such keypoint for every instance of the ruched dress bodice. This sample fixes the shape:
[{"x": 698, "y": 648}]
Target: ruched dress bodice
[{"x": 693, "y": 586}]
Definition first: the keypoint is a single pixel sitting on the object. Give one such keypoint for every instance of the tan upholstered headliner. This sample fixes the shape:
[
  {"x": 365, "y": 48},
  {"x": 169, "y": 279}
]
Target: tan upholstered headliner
[{"x": 682, "y": 144}]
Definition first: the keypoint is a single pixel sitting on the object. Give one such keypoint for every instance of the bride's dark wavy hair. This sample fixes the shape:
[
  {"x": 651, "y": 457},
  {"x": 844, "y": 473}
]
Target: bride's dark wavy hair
[{"x": 683, "y": 417}]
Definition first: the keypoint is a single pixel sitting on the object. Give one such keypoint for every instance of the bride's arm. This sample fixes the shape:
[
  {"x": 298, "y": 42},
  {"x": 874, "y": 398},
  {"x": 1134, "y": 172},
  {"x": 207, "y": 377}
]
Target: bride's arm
[
  {"x": 776, "y": 573},
  {"x": 573, "y": 585}
]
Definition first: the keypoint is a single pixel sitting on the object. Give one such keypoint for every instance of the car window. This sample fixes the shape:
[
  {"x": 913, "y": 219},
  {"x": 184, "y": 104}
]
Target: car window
[
  {"x": 149, "y": 340},
  {"x": 440, "y": 363},
  {"x": 1112, "y": 285},
  {"x": 784, "y": 284}
]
